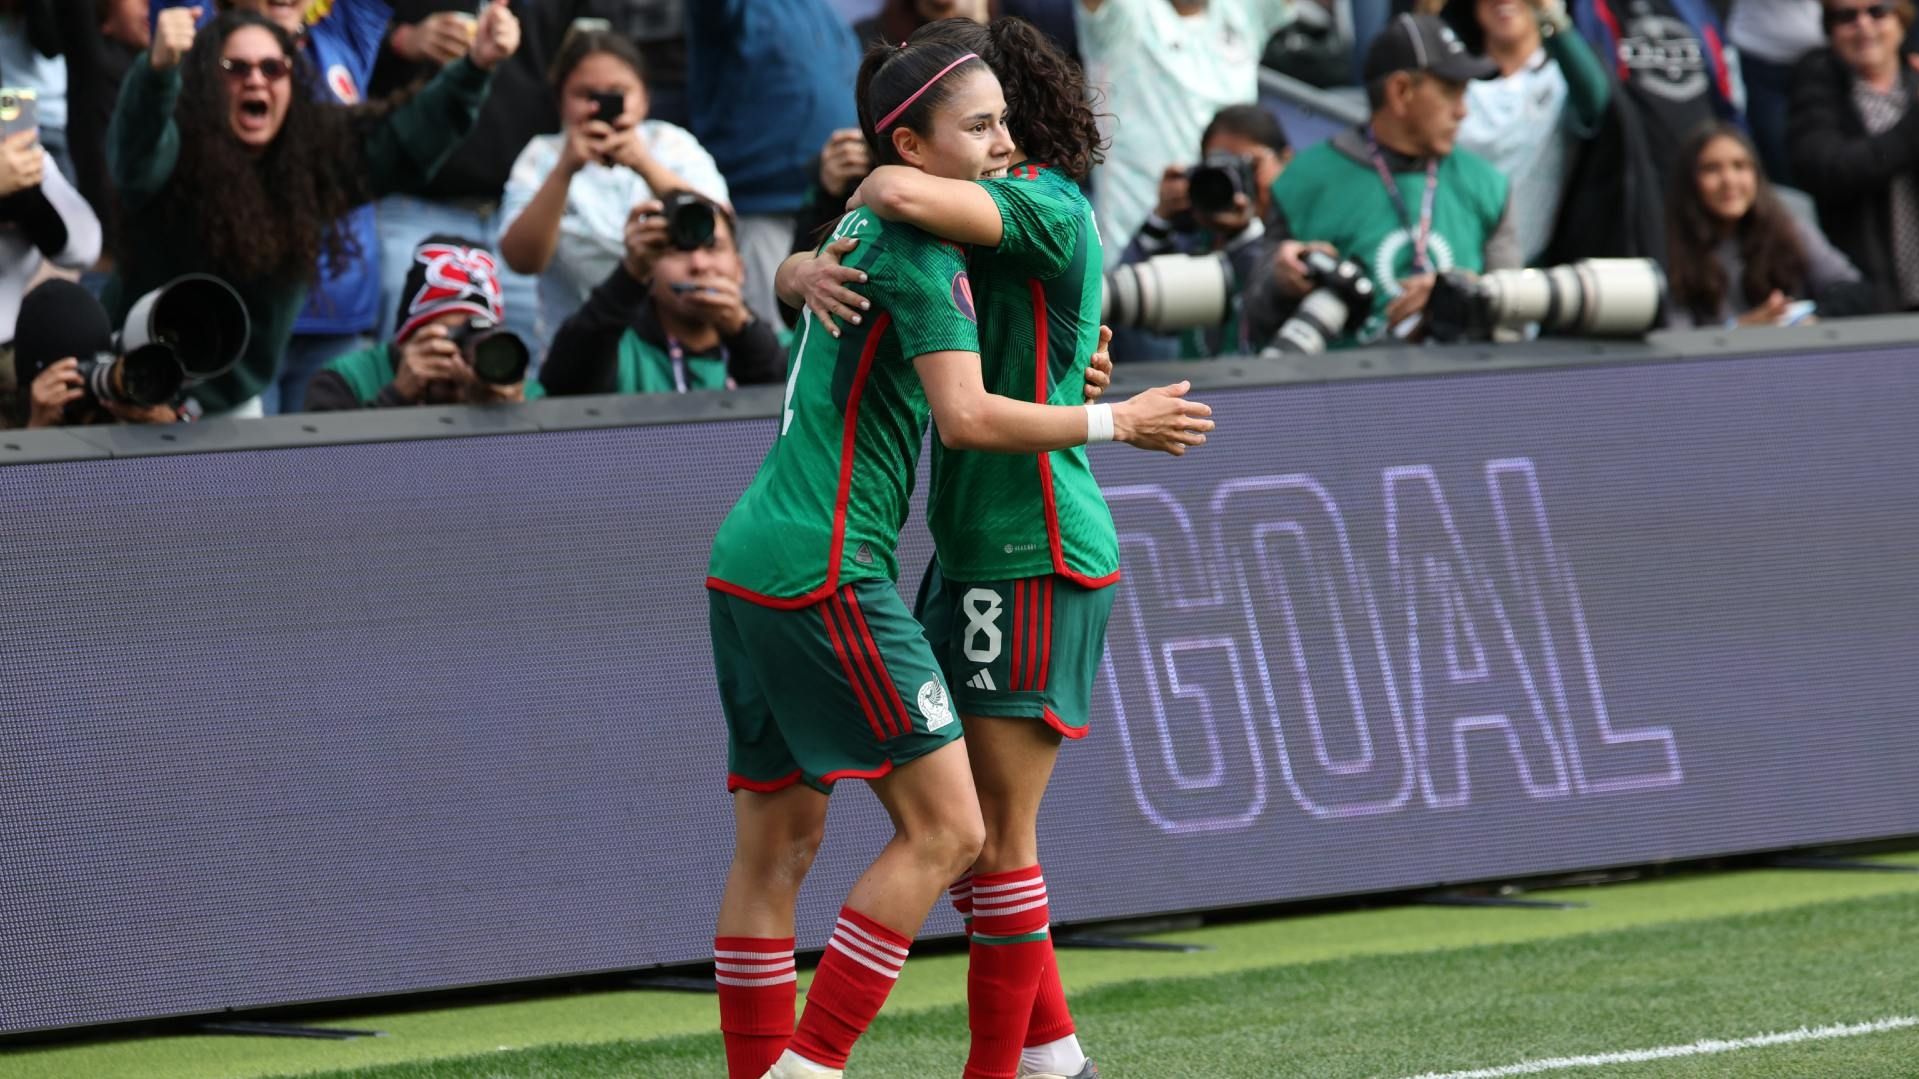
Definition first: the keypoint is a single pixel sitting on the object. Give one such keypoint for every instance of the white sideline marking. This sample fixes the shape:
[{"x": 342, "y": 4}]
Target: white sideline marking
[{"x": 1667, "y": 1052}]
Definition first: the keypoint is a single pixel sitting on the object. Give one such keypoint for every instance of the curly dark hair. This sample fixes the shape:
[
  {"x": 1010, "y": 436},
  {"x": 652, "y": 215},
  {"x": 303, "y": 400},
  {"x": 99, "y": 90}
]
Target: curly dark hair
[
  {"x": 274, "y": 214},
  {"x": 1768, "y": 237},
  {"x": 1048, "y": 106}
]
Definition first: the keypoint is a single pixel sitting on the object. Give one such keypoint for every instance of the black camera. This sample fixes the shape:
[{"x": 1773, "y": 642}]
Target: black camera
[
  {"x": 690, "y": 220},
  {"x": 497, "y": 355},
  {"x": 1591, "y": 298},
  {"x": 1212, "y": 184},
  {"x": 1340, "y": 302},
  {"x": 146, "y": 376}
]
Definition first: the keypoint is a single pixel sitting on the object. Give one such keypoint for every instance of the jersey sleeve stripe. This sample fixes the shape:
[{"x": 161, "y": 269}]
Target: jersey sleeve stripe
[
  {"x": 827, "y": 611},
  {"x": 889, "y": 692}
]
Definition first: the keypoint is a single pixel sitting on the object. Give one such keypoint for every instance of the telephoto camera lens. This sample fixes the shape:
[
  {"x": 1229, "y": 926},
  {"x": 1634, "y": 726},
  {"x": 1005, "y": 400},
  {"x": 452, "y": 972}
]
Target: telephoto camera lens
[
  {"x": 1590, "y": 298},
  {"x": 1168, "y": 293},
  {"x": 690, "y": 221},
  {"x": 1340, "y": 302},
  {"x": 146, "y": 376}
]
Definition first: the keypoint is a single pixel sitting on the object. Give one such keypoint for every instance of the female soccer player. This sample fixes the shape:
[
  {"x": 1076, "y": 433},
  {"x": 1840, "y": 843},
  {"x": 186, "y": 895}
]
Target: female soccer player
[
  {"x": 823, "y": 673},
  {"x": 1017, "y": 603}
]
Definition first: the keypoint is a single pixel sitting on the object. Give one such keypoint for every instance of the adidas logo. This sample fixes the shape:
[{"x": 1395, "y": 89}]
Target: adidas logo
[{"x": 982, "y": 680}]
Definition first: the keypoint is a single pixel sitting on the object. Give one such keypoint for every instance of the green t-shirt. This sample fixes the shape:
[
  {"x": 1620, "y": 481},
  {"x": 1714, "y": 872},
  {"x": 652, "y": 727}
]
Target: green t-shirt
[
  {"x": 371, "y": 369},
  {"x": 647, "y": 368},
  {"x": 1327, "y": 195},
  {"x": 828, "y": 502},
  {"x": 1000, "y": 516}
]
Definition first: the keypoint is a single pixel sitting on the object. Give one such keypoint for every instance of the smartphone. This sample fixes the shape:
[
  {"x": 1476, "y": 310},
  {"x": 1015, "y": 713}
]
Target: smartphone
[
  {"x": 607, "y": 108},
  {"x": 1798, "y": 311},
  {"x": 19, "y": 110}
]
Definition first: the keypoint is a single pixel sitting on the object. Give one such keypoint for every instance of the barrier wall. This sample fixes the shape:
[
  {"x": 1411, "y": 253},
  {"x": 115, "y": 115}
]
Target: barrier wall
[{"x": 326, "y": 707}]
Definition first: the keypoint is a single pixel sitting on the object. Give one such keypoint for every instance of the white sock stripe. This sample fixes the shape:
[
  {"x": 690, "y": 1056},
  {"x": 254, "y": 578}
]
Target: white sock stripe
[
  {"x": 869, "y": 938},
  {"x": 979, "y": 914},
  {"x": 788, "y": 956},
  {"x": 754, "y": 968},
  {"x": 988, "y": 903},
  {"x": 988, "y": 889},
  {"x": 837, "y": 945},
  {"x": 884, "y": 957},
  {"x": 757, "y": 983}
]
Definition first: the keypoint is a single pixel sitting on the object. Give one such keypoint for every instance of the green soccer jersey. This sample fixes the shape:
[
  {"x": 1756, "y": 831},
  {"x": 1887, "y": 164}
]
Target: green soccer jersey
[
  {"x": 1000, "y": 516},
  {"x": 828, "y": 502}
]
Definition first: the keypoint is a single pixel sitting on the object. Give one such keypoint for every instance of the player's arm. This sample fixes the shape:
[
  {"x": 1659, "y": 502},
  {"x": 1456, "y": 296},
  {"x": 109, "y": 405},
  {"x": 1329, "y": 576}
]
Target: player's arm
[
  {"x": 958, "y": 210},
  {"x": 970, "y": 418},
  {"x": 817, "y": 281}
]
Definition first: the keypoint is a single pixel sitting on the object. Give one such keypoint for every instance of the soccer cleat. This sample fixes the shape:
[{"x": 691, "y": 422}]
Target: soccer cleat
[
  {"x": 1087, "y": 1072},
  {"x": 781, "y": 1069}
]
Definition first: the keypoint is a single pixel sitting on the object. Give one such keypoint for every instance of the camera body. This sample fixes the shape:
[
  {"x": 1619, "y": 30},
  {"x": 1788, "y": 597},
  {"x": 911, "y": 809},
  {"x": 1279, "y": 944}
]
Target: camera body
[
  {"x": 1591, "y": 298},
  {"x": 690, "y": 220},
  {"x": 497, "y": 355},
  {"x": 1212, "y": 184},
  {"x": 1337, "y": 305},
  {"x": 143, "y": 377}
]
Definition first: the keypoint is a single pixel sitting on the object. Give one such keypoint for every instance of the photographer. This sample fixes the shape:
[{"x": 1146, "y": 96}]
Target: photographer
[
  {"x": 1242, "y": 152},
  {"x": 671, "y": 317},
  {"x": 1396, "y": 195},
  {"x": 569, "y": 194},
  {"x": 41, "y": 218},
  {"x": 452, "y": 298},
  {"x": 63, "y": 335}
]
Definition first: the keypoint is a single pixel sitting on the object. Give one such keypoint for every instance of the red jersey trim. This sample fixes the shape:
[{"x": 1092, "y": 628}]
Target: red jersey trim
[
  {"x": 1045, "y": 460},
  {"x": 736, "y": 782},
  {"x": 847, "y": 442},
  {"x": 1071, "y": 734},
  {"x": 854, "y": 773}
]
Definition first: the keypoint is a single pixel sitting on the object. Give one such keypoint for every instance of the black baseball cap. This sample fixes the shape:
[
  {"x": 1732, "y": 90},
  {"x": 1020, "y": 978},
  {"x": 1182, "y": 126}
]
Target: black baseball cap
[{"x": 1424, "y": 43}]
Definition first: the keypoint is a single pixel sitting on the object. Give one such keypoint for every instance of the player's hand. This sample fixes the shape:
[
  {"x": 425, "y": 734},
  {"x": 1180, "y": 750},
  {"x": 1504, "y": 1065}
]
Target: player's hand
[
  {"x": 720, "y": 302},
  {"x": 1099, "y": 370},
  {"x": 52, "y": 391},
  {"x": 1162, "y": 419},
  {"x": 1413, "y": 294},
  {"x": 22, "y": 162},
  {"x": 1173, "y": 197},
  {"x": 1768, "y": 313},
  {"x": 438, "y": 39},
  {"x": 496, "y": 38},
  {"x": 844, "y": 160},
  {"x": 645, "y": 239},
  {"x": 427, "y": 358},
  {"x": 173, "y": 35},
  {"x": 822, "y": 282}
]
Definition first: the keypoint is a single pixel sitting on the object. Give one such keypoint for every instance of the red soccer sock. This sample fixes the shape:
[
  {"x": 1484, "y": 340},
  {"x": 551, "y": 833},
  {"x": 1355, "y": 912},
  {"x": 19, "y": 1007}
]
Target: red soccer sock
[
  {"x": 862, "y": 961},
  {"x": 1009, "y": 950},
  {"x": 1051, "y": 1020},
  {"x": 757, "y": 990}
]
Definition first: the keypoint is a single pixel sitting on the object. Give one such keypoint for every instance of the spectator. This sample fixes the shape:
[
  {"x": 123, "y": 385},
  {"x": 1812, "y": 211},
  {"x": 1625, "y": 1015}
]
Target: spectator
[
  {"x": 41, "y": 217},
  {"x": 1164, "y": 67},
  {"x": 569, "y": 195},
  {"x": 790, "y": 59},
  {"x": 1854, "y": 142},
  {"x": 1736, "y": 254},
  {"x": 109, "y": 34},
  {"x": 463, "y": 197},
  {"x": 1240, "y": 137},
  {"x": 1551, "y": 92},
  {"x": 897, "y": 19},
  {"x": 33, "y": 47},
  {"x": 224, "y": 169},
  {"x": 61, "y": 326},
  {"x": 666, "y": 320},
  {"x": 1360, "y": 192},
  {"x": 1771, "y": 36},
  {"x": 452, "y": 284},
  {"x": 337, "y": 53}
]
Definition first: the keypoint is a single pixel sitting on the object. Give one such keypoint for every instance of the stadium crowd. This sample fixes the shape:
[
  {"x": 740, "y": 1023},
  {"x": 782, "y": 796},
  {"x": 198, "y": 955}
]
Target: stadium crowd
[{"x": 427, "y": 202}]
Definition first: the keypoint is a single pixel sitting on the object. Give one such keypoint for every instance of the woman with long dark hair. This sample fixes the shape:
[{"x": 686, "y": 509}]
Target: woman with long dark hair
[
  {"x": 223, "y": 167},
  {"x": 1017, "y": 601},
  {"x": 824, "y": 675},
  {"x": 1735, "y": 253}
]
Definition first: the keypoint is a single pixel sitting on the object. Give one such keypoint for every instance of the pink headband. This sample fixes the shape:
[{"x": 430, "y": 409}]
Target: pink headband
[{"x": 904, "y": 105}]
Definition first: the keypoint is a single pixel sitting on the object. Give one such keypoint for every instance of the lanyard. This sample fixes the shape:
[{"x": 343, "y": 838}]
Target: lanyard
[
  {"x": 1420, "y": 238},
  {"x": 677, "y": 354}
]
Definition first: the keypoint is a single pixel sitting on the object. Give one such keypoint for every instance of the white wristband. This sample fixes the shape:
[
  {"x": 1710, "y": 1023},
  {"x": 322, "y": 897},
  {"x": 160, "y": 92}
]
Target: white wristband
[{"x": 1099, "y": 423}]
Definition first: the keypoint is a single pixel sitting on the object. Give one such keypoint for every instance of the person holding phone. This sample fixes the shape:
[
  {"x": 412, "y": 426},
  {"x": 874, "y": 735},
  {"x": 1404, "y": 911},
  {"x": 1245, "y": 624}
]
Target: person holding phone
[
  {"x": 42, "y": 217},
  {"x": 569, "y": 196}
]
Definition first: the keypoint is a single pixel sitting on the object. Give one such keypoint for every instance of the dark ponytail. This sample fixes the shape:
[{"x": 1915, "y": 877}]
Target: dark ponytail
[
  {"x": 1048, "y": 109},
  {"x": 892, "y": 74}
]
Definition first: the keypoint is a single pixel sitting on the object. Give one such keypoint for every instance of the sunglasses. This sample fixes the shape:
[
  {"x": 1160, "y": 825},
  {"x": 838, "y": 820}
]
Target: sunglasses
[
  {"x": 1846, "y": 16},
  {"x": 272, "y": 70}
]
